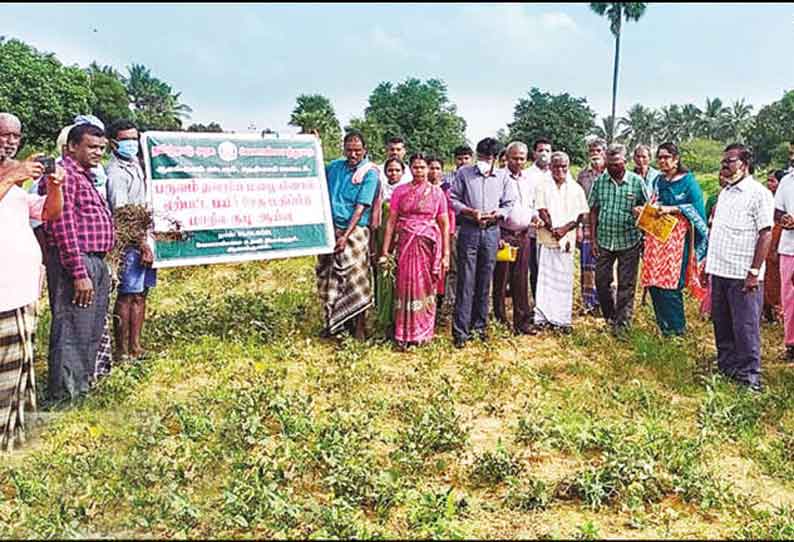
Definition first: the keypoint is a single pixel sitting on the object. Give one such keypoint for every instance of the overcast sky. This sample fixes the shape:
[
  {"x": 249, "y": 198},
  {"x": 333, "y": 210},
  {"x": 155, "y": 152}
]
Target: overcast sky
[{"x": 243, "y": 64}]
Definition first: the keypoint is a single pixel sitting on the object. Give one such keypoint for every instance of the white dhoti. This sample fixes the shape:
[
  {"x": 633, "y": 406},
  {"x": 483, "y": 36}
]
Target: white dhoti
[{"x": 554, "y": 303}]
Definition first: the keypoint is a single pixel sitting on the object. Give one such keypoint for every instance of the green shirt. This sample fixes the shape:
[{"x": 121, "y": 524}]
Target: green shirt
[{"x": 617, "y": 229}]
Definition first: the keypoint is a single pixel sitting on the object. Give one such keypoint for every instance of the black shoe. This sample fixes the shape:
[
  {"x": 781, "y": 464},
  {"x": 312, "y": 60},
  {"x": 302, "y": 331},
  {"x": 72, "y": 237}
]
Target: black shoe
[{"x": 458, "y": 342}]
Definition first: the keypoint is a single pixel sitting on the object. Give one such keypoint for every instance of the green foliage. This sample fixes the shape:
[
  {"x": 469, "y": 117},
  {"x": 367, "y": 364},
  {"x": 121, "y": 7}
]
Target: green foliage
[
  {"x": 314, "y": 112},
  {"x": 154, "y": 102},
  {"x": 432, "y": 426},
  {"x": 419, "y": 112},
  {"x": 234, "y": 317},
  {"x": 640, "y": 125},
  {"x": 42, "y": 92},
  {"x": 563, "y": 119},
  {"x": 110, "y": 101},
  {"x": 436, "y": 514},
  {"x": 588, "y": 531},
  {"x": 701, "y": 155},
  {"x": 527, "y": 494},
  {"x": 212, "y": 127},
  {"x": 777, "y": 524},
  {"x": 773, "y": 126},
  {"x": 491, "y": 468}
]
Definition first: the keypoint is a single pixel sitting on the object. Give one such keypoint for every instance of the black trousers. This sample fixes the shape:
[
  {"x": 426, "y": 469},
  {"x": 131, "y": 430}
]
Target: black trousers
[
  {"x": 75, "y": 332},
  {"x": 617, "y": 311}
]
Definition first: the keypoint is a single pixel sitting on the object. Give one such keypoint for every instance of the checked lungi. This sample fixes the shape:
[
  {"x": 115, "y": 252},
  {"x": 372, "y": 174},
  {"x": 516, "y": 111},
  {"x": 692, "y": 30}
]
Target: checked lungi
[
  {"x": 343, "y": 281},
  {"x": 17, "y": 381}
]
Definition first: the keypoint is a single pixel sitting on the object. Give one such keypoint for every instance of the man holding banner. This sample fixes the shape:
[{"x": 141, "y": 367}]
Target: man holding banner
[{"x": 343, "y": 278}]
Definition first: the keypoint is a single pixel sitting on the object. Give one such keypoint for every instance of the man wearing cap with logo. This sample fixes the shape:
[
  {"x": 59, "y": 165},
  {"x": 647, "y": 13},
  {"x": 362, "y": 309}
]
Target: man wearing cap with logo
[
  {"x": 480, "y": 197},
  {"x": 515, "y": 231}
]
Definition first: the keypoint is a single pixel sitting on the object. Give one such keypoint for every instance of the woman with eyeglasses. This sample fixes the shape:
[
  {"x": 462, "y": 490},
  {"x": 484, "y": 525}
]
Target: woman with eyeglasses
[{"x": 670, "y": 265}]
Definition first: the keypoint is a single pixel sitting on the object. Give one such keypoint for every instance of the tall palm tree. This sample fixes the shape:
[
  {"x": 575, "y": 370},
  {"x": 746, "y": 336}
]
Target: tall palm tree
[{"x": 616, "y": 12}]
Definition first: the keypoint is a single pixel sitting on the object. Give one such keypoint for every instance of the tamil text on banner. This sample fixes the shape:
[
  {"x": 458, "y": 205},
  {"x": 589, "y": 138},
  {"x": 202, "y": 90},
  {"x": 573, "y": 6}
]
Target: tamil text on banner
[{"x": 235, "y": 197}]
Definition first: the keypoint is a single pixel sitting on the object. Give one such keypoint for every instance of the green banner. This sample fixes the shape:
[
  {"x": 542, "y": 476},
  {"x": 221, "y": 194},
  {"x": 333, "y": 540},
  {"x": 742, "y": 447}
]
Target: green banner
[{"x": 235, "y": 197}]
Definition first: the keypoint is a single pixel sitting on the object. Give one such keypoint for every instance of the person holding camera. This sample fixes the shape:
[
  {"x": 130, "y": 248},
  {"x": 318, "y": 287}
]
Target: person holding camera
[{"x": 20, "y": 282}]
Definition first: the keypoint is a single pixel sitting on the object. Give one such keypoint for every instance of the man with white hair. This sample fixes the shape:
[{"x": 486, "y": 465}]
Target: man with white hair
[
  {"x": 515, "y": 231},
  {"x": 596, "y": 151},
  {"x": 615, "y": 201},
  {"x": 10, "y": 136},
  {"x": 562, "y": 206}
]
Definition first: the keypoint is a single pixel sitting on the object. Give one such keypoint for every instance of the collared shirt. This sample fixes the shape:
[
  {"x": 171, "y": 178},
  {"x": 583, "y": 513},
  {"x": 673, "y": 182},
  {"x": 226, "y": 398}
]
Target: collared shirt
[
  {"x": 524, "y": 208},
  {"x": 586, "y": 178},
  {"x": 649, "y": 186},
  {"x": 784, "y": 201},
  {"x": 345, "y": 195},
  {"x": 617, "y": 229},
  {"x": 126, "y": 183},
  {"x": 742, "y": 210},
  {"x": 86, "y": 224},
  {"x": 564, "y": 203},
  {"x": 20, "y": 274},
  {"x": 470, "y": 188}
]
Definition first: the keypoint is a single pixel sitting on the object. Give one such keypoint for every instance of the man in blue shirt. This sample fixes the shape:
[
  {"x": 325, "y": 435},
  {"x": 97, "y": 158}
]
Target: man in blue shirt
[
  {"x": 480, "y": 198},
  {"x": 343, "y": 278}
]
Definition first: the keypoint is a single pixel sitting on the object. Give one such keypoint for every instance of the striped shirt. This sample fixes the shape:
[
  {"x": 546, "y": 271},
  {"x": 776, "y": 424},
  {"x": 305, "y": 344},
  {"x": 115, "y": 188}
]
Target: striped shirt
[
  {"x": 85, "y": 226},
  {"x": 742, "y": 210},
  {"x": 617, "y": 228}
]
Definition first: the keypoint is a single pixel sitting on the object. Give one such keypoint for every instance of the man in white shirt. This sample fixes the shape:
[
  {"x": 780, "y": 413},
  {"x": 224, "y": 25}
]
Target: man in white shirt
[
  {"x": 514, "y": 230},
  {"x": 562, "y": 206},
  {"x": 538, "y": 173},
  {"x": 738, "y": 244},
  {"x": 784, "y": 215}
]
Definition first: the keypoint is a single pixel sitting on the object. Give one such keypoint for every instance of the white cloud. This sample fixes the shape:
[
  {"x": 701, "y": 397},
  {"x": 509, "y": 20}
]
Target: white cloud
[{"x": 503, "y": 27}]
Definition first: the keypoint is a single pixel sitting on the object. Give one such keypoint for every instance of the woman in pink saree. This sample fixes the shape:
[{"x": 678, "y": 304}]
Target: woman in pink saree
[{"x": 419, "y": 220}]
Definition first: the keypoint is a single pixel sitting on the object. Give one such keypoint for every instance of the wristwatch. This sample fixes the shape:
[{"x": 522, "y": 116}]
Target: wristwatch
[{"x": 754, "y": 272}]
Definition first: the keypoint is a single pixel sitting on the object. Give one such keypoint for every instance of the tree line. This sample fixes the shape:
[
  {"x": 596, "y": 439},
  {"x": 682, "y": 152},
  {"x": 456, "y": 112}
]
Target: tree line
[{"x": 47, "y": 95}]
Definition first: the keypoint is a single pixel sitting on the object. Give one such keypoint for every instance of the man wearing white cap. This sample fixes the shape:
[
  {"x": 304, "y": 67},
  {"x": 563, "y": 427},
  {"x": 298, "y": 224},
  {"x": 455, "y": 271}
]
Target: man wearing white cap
[{"x": 515, "y": 230}]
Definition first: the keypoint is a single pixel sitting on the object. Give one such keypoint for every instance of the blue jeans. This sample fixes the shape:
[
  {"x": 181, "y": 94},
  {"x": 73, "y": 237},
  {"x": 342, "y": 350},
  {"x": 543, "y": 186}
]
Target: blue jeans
[{"x": 476, "y": 261}]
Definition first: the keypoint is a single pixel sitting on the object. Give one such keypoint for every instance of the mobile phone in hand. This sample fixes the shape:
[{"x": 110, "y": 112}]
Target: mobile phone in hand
[{"x": 48, "y": 163}]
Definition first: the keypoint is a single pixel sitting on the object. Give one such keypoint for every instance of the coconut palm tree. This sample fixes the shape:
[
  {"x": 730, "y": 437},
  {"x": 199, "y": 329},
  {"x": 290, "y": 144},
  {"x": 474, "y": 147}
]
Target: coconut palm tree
[
  {"x": 616, "y": 12},
  {"x": 691, "y": 121},
  {"x": 155, "y": 104},
  {"x": 640, "y": 125},
  {"x": 740, "y": 116},
  {"x": 714, "y": 119}
]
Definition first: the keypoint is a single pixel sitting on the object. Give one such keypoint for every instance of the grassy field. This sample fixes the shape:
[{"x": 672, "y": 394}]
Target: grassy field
[{"x": 243, "y": 423}]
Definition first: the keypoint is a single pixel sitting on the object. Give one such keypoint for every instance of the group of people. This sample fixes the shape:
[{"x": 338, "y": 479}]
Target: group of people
[
  {"x": 484, "y": 232},
  {"x": 58, "y": 219}
]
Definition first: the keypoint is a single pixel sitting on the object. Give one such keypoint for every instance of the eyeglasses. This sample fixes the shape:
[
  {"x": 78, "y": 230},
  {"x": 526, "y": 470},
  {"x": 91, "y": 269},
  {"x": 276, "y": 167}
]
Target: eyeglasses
[
  {"x": 664, "y": 156},
  {"x": 729, "y": 161}
]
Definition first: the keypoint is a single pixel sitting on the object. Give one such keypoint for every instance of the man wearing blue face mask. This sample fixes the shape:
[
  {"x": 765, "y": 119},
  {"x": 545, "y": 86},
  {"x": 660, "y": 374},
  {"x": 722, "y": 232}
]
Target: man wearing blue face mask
[{"x": 127, "y": 186}]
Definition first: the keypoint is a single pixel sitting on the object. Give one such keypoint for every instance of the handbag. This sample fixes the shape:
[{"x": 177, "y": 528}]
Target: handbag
[{"x": 507, "y": 253}]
